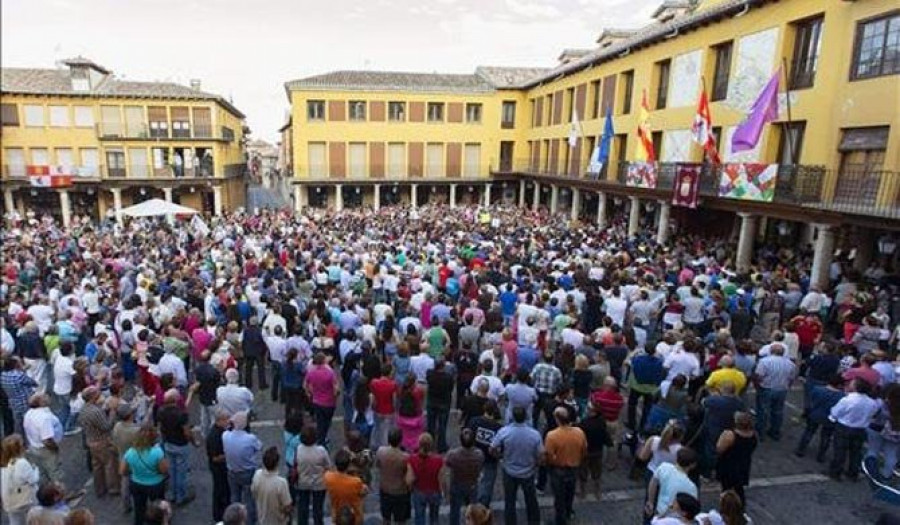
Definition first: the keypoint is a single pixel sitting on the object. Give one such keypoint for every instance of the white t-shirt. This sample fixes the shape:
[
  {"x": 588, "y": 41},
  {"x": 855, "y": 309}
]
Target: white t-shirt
[
  {"x": 420, "y": 364},
  {"x": 41, "y": 424},
  {"x": 615, "y": 309},
  {"x": 682, "y": 363},
  {"x": 495, "y": 386},
  {"x": 661, "y": 456},
  {"x": 63, "y": 371}
]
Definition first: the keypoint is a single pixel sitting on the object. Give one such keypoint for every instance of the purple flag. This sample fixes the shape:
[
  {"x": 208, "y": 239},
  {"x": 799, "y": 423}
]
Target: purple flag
[{"x": 765, "y": 109}]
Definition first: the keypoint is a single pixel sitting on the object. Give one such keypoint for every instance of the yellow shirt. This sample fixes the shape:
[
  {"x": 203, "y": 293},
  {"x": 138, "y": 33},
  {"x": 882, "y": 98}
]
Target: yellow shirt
[{"x": 727, "y": 374}]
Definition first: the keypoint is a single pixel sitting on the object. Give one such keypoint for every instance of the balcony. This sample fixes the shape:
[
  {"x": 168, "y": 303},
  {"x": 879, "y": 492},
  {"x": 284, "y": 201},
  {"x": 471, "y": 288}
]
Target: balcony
[
  {"x": 853, "y": 191},
  {"x": 120, "y": 131},
  {"x": 147, "y": 171},
  {"x": 390, "y": 172},
  {"x": 14, "y": 171}
]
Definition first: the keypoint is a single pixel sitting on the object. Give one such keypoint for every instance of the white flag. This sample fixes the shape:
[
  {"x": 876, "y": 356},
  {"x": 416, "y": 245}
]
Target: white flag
[
  {"x": 573, "y": 130},
  {"x": 595, "y": 165}
]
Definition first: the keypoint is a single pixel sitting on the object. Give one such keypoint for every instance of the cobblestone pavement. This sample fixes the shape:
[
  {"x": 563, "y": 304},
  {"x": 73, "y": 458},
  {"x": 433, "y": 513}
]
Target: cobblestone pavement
[{"x": 785, "y": 489}]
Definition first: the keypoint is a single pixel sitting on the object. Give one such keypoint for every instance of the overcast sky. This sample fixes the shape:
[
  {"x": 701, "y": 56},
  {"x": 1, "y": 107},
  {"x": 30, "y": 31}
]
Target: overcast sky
[{"x": 245, "y": 50}]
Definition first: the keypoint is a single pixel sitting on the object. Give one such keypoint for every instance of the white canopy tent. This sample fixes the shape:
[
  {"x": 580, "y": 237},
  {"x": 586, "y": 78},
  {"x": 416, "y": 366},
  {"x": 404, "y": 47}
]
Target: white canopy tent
[{"x": 155, "y": 208}]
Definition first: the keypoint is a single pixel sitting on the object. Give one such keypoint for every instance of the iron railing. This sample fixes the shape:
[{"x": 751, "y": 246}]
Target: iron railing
[{"x": 138, "y": 131}]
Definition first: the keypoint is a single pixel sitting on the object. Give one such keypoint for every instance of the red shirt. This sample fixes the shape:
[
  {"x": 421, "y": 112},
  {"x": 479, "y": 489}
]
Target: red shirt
[
  {"x": 426, "y": 469},
  {"x": 610, "y": 403},
  {"x": 443, "y": 274},
  {"x": 383, "y": 390},
  {"x": 808, "y": 330}
]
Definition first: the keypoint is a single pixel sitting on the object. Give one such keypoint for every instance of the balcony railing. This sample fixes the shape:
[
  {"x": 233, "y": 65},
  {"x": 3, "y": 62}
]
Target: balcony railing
[
  {"x": 120, "y": 130},
  {"x": 147, "y": 171},
  {"x": 18, "y": 170},
  {"x": 391, "y": 171},
  {"x": 858, "y": 191}
]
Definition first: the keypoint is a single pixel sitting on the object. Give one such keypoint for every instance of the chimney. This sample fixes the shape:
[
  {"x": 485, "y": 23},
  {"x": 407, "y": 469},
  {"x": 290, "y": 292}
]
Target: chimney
[{"x": 195, "y": 84}]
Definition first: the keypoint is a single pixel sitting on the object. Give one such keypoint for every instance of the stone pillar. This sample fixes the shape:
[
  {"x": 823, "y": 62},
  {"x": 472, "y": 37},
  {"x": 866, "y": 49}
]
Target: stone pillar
[
  {"x": 66, "y": 208},
  {"x": 576, "y": 204},
  {"x": 453, "y": 195},
  {"x": 298, "y": 197},
  {"x": 414, "y": 195},
  {"x": 554, "y": 199},
  {"x": 864, "y": 242},
  {"x": 537, "y": 196},
  {"x": 634, "y": 216},
  {"x": 487, "y": 195},
  {"x": 117, "y": 203},
  {"x": 167, "y": 192},
  {"x": 601, "y": 209},
  {"x": 9, "y": 203},
  {"x": 662, "y": 229},
  {"x": 822, "y": 255},
  {"x": 376, "y": 197},
  {"x": 338, "y": 197},
  {"x": 217, "y": 200},
  {"x": 522, "y": 193},
  {"x": 745, "y": 241}
]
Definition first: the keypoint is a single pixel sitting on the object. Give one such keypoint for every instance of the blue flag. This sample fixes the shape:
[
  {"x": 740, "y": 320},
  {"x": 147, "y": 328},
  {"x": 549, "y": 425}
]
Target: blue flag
[{"x": 606, "y": 140}]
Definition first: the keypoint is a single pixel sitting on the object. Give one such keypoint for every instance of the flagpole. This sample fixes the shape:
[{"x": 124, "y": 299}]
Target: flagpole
[
  {"x": 703, "y": 90},
  {"x": 787, "y": 99}
]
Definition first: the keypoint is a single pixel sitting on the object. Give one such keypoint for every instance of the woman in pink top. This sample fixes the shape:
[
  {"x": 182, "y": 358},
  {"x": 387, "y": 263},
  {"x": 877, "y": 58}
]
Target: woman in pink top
[
  {"x": 410, "y": 418},
  {"x": 323, "y": 388}
]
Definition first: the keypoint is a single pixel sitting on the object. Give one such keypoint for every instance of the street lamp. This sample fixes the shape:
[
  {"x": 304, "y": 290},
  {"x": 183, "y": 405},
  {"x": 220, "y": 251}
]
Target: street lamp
[{"x": 886, "y": 245}]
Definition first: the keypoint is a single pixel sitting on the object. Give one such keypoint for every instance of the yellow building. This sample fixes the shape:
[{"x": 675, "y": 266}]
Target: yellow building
[
  {"x": 836, "y": 140},
  {"x": 121, "y": 141}
]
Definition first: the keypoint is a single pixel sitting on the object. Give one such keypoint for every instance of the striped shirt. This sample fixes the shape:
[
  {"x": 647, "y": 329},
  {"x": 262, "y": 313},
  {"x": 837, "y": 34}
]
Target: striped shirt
[
  {"x": 776, "y": 372},
  {"x": 97, "y": 426}
]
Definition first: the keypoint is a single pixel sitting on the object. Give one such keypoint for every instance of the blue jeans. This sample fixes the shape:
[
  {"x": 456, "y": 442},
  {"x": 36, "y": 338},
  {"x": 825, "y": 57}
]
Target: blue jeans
[
  {"x": 276, "y": 381},
  {"x": 888, "y": 449},
  {"x": 770, "y": 411},
  {"x": 460, "y": 496},
  {"x": 436, "y": 423},
  {"x": 486, "y": 483},
  {"x": 239, "y": 485},
  {"x": 62, "y": 410},
  {"x": 510, "y": 489},
  {"x": 179, "y": 469},
  {"x": 426, "y": 502},
  {"x": 317, "y": 498}
]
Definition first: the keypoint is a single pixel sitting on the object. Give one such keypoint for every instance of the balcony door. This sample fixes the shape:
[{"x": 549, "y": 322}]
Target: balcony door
[{"x": 115, "y": 163}]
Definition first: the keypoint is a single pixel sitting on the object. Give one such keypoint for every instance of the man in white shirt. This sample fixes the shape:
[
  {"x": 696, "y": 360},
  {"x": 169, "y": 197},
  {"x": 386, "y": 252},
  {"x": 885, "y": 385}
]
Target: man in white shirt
[
  {"x": 233, "y": 398},
  {"x": 43, "y": 434},
  {"x": 273, "y": 319},
  {"x": 171, "y": 364},
  {"x": 851, "y": 417},
  {"x": 682, "y": 362},
  {"x": 616, "y": 307},
  {"x": 495, "y": 387},
  {"x": 42, "y": 314},
  {"x": 277, "y": 346},
  {"x": 420, "y": 364},
  {"x": 63, "y": 371},
  {"x": 499, "y": 363}
]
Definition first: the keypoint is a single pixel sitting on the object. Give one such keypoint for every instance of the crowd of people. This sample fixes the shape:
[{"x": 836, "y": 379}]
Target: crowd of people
[{"x": 455, "y": 347}]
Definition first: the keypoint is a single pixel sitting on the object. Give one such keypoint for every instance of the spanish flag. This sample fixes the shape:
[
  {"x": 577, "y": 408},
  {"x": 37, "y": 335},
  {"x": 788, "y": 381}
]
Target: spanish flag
[{"x": 644, "y": 151}]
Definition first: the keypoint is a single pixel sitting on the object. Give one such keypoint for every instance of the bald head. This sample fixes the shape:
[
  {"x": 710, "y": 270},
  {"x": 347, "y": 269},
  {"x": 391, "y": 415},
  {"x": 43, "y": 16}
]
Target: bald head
[{"x": 726, "y": 361}]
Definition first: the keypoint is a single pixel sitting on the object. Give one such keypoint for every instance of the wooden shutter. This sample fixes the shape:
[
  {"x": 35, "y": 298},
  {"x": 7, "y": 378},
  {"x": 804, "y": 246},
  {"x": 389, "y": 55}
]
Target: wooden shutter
[
  {"x": 337, "y": 159},
  {"x": 376, "y": 157},
  {"x": 454, "y": 159},
  {"x": 337, "y": 110},
  {"x": 581, "y": 100},
  {"x": 558, "y": 107},
  {"x": 455, "y": 112},
  {"x": 417, "y": 112},
  {"x": 416, "y": 159},
  {"x": 202, "y": 122},
  {"x": 609, "y": 95},
  {"x": 539, "y": 112},
  {"x": 376, "y": 111}
]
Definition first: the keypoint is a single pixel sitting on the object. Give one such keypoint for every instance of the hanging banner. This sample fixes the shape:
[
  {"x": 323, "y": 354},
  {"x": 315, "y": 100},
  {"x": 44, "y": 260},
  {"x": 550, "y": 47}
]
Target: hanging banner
[
  {"x": 641, "y": 175},
  {"x": 748, "y": 181},
  {"x": 687, "y": 184}
]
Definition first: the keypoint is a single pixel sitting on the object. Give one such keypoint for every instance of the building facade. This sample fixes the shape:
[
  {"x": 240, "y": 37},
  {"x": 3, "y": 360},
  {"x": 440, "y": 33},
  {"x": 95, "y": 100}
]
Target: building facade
[
  {"x": 113, "y": 143},
  {"x": 835, "y": 143}
]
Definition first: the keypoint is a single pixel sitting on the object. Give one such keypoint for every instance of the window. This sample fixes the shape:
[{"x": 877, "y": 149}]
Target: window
[
  {"x": 807, "y": 41},
  {"x": 435, "y": 112},
  {"x": 59, "y": 116},
  {"x": 434, "y": 166},
  {"x": 115, "y": 163},
  {"x": 508, "y": 115},
  {"x": 159, "y": 122},
  {"x": 315, "y": 110},
  {"x": 202, "y": 122},
  {"x": 90, "y": 161},
  {"x": 84, "y": 117},
  {"x": 40, "y": 157},
  {"x": 723, "y": 70},
  {"x": 227, "y": 134},
  {"x": 628, "y": 80},
  {"x": 877, "y": 49},
  {"x": 111, "y": 121},
  {"x": 473, "y": 113},
  {"x": 138, "y": 163},
  {"x": 15, "y": 162},
  {"x": 596, "y": 97},
  {"x": 657, "y": 138},
  {"x": 34, "y": 116},
  {"x": 471, "y": 160},
  {"x": 64, "y": 157},
  {"x": 181, "y": 122},
  {"x": 318, "y": 163},
  {"x": 9, "y": 114},
  {"x": 357, "y": 109},
  {"x": 791, "y": 142},
  {"x": 397, "y": 111},
  {"x": 357, "y": 158},
  {"x": 862, "y": 161},
  {"x": 662, "y": 83},
  {"x": 396, "y": 159}
]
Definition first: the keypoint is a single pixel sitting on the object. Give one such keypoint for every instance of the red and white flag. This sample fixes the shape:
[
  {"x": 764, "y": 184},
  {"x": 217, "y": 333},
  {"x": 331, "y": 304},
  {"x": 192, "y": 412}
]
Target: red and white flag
[{"x": 702, "y": 129}]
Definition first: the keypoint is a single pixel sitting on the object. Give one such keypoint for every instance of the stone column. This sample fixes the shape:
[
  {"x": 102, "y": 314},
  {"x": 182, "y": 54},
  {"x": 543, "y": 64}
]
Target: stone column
[
  {"x": 662, "y": 229},
  {"x": 66, "y": 208},
  {"x": 9, "y": 203},
  {"x": 217, "y": 200},
  {"x": 522, "y": 193},
  {"x": 298, "y": 197},
  {"x": 376, "y": 197},
  {"x": 117, "y": 203},
  {"x": 453, "y": 195},
  {"x": 537, "y": 196},
  {"x": 167, "y": 192},
  {"x": 487, "y": 195},
  {"x": 414, "y": 195},
  {"x": 864, "y": 242},
  {"x": 822, "y": 255},
  {"x": 554, "y": 199},
  {"x": 745, "y": 241},
  {"x": 601, "y": 209},
  {"x": 576, "y": 204},
  {"x": 338, "y": 197},
  {"x": 634, "y": 216}
]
